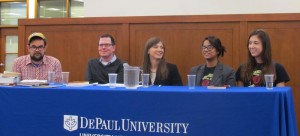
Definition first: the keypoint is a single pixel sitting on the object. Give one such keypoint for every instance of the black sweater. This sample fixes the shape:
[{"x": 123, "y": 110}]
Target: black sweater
[{"x": 97, "y": 72}]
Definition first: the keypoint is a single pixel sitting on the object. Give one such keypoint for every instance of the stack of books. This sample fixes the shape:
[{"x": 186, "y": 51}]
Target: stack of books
[{"x": 9, "y": 78}]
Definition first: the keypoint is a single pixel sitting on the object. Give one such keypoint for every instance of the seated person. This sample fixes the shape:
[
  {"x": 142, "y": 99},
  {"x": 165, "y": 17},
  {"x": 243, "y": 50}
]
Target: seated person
[
  {"x": 98, "y": 68},
  {"x": 213, "y": 72},
  {"x": 260, "y": 62},
  {"x": 36, "y": 64},
  {"x": 161, "y": 72}
]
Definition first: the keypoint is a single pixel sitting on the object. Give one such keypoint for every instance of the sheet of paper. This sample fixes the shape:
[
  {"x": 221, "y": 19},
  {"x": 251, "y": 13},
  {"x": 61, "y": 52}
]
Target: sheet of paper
[{"x": 216, "y": 87}]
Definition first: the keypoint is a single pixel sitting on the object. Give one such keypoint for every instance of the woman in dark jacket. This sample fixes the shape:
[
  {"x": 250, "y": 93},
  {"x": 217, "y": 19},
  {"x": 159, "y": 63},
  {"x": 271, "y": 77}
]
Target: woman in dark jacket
[
  {"x": 161, "y": 72},
  {"x": 213, "y": 72}
]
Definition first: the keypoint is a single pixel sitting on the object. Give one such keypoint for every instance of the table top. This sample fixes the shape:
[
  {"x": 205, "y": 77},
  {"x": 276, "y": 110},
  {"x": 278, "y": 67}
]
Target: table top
[{"x": 151, "y": 88}]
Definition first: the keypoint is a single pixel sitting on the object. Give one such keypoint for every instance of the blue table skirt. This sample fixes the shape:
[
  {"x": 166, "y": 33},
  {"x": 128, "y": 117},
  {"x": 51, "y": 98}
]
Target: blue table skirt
[{"x": 153, "y": 111}]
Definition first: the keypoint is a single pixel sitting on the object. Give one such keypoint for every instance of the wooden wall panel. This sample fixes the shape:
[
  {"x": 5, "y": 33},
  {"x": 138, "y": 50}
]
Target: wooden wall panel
[{"x": 74, "y": 45}]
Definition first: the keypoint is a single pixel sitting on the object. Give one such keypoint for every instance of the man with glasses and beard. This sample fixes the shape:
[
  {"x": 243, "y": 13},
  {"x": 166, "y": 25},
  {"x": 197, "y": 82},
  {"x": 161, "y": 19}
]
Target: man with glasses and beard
[{"x": 36, "y": 64}]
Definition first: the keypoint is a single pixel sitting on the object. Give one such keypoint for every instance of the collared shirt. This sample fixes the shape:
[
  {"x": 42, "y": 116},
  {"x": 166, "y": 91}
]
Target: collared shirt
[
  {"x": 28, "y": 70},
  {"x": 111, "y": 61}
]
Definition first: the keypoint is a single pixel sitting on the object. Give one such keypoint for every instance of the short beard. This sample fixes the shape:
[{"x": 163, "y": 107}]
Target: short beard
[{"x": 36, "y": 59}]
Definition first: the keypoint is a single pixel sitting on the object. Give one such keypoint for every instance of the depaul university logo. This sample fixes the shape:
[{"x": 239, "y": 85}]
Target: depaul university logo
[{"x": 70, "y": 122}]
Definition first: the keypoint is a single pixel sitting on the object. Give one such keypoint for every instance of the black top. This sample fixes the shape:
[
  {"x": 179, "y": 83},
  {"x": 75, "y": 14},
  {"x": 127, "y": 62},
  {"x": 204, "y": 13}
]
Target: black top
[
  {"x": 207, "y": 76},
  {"x": 97, "y": 72},
  {"x": 281, "y": 75},
  {"x": 173, "y": 78}
]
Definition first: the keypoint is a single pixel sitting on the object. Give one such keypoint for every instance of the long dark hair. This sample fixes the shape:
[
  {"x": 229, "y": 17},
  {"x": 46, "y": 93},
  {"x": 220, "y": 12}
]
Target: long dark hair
[
  {"x": 162, "y": 70},
  {"x": 266, "y": 57}
]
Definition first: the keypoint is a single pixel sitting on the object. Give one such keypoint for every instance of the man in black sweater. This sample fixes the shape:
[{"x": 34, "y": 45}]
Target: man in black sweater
[{"x": 98, "y": 69}]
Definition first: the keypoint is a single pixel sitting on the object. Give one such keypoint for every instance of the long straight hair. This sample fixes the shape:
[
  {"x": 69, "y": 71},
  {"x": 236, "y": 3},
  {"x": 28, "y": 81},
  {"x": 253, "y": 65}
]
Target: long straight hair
[
  {"x": 162, "y": 70},
  {"x": 266, "y": 56}
]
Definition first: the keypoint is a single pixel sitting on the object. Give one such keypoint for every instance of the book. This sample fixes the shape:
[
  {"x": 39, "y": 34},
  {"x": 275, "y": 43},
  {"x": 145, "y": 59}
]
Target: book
[
  {"x": 9, "y": 78},
  {"x": 33, "y": 82}
]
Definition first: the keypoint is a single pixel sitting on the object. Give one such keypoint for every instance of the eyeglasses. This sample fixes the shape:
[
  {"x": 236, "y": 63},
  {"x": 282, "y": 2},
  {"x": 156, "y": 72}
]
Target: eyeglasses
[
  {"x": 105, "y": 45},
  {"x": 37, "y": 47},
  {"x": 208, "y": 47}
]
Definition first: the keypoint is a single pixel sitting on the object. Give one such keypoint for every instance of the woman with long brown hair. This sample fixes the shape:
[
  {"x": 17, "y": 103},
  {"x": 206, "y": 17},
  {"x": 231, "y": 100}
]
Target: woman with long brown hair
[
  {"x": 260, "y": 62},
  {"x": 161, "y": 72}
]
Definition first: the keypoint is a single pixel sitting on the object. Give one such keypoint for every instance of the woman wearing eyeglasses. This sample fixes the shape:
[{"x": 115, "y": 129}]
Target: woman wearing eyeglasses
[
  {"x": 213, "y": 72},
  {"x": 161, "y": 72}
]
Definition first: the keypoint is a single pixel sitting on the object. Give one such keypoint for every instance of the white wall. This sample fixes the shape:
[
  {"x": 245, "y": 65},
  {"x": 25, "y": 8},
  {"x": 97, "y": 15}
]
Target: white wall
[{"x": 104, "y": 8}]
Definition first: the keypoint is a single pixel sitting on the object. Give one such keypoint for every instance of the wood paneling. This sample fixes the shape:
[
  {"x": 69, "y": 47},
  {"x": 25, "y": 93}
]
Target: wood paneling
[
  {"x": 74, "y": 41},
  {"x": 183, "y": 41},
  {"x": 74, "y": 45}
]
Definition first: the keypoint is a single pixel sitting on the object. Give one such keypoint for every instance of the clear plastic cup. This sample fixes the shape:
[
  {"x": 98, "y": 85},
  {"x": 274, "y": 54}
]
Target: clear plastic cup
[
  {"x": 112, "y": 77},
  {"x": 145, "y": 80},
  {"x": 269, "y": 79},
  {"x": 65, "y": 77},
  {"x": 191, "y": 81},
  {"x": 51, "y": 77}
]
